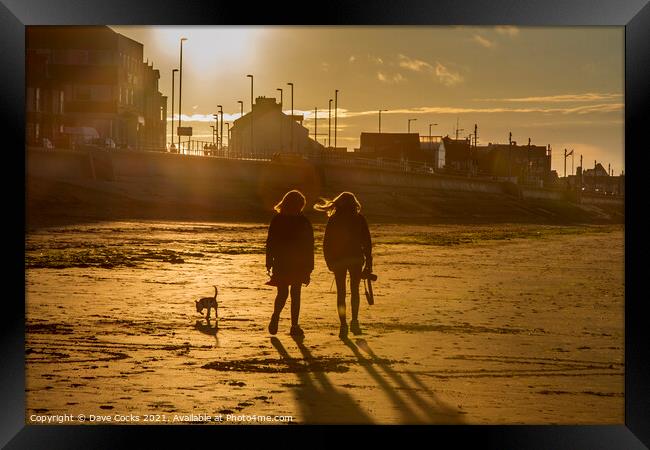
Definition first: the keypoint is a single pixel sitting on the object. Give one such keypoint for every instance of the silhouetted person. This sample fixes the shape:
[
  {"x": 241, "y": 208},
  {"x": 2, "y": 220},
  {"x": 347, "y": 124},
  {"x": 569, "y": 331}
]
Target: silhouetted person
[
  {"x": 289, "y": 257},
  {"x": 346, "y": 246}
]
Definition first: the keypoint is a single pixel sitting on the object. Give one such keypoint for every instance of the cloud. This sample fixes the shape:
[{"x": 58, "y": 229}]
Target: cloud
[
  {"x": 446, "y": 76},
  {"x": 507, "y": 30},
  {"x": 352, "y": 59},
  {"x": 440, "y": 71},
  {"x": 394, "y": 79},
  {"x": 587, "y": 97},
  {"x": 580, "y": 110},
  {"x": 415, "y": 65},
  {"x": 483, "y": 42},
  {"x": 375, "y": 59}
]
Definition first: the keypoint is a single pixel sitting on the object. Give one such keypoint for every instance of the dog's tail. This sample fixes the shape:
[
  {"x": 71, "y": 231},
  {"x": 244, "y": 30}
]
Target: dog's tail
[{"x": 216, "y": 291}]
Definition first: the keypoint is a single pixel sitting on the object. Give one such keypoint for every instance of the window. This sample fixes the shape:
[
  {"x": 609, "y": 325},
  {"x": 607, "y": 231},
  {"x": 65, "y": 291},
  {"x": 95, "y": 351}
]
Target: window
[
  {"x": 82, "y": 93},
  {"x": 77, "y": 57}
]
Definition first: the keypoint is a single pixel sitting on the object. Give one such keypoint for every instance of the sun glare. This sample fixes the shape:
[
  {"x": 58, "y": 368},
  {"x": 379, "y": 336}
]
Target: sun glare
[{"x": 208, "y": 48}]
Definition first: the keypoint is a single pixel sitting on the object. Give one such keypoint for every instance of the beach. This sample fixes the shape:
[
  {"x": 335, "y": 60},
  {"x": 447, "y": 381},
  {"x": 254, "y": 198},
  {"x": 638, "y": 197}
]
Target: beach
[{"x": 472, "y": 324}]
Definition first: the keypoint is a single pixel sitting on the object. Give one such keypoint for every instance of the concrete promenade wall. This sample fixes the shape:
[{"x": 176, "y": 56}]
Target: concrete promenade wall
[{"x": 64, "y": 164}]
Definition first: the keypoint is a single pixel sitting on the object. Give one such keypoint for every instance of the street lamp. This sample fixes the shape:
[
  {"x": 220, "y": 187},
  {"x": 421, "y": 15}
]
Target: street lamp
[
  {"x": 216, "y": 130},
  {"x": 291, "y": 84},
  {"x": 336, "y": 109},
  {"x": 281, "y": 118},
  {"x": 180, "y": 91},
  {"x": 509, "y": 155},
  {"x": 329, "y": 126},
  {"x": 251, "y": 77},
  {"x": 380, "y": 111},
  {"x": 430, "y": 125},
  {"x": 409, "y": 124},
  {"x": 240, "y": 139},
  {"x": 173, "y": 76},
  {"x": 220, "y": 140}
]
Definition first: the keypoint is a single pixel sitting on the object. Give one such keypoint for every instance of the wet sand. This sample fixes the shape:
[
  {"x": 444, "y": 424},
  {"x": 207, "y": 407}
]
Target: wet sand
[{"x": 472, "y": 324}]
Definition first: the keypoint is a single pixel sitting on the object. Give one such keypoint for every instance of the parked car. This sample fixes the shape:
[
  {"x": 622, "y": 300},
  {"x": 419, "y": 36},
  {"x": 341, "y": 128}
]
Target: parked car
[{"x": 46, "y": 143}]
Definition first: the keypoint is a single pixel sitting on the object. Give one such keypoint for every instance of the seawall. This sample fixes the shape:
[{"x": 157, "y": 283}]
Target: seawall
[{"x": 133, "y": 184}]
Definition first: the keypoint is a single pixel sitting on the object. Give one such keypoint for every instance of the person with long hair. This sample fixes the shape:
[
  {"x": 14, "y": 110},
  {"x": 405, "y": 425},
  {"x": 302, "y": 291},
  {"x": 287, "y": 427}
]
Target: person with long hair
[
  {"x": 347, "y": 247},
  {"x": 289, "y": 257}
]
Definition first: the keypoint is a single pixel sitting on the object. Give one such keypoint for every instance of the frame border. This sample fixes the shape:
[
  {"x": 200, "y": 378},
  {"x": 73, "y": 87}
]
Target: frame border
[{"x": 634, "y": 15}]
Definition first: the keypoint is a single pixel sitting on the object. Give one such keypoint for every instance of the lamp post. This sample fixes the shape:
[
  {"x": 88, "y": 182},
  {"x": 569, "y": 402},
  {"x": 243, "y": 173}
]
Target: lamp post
[
  {"x": 251, "y": 77},
  {"x": 380, "y": 111},
  {"x": 173, "y": 76},
  {"x": 180, "y": 92},
  {"x": 228, "y": 133},
  {"x": 216, "y": 129},
  {"x": 241, "y": 114},
  {"x": 509, "y": 155},
  {"x": 409, "y": 124},
  {"x": 291, "y": 84},
  {"x": 220, "y": 140},
  {"x": 281, "y": 118},
  {"x": 431, "y": 125},
  {"x": 329, "y": 125},
  {"x": 336, "y": 110}
]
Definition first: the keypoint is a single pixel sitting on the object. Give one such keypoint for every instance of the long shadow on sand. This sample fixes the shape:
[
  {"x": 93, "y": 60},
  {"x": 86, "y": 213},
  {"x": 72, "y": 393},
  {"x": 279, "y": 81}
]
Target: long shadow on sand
[
  {"x": 319, "y": 401},
  {"x": 431, "y": 411}
]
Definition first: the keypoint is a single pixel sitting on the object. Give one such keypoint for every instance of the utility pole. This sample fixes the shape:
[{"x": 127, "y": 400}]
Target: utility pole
[
  {"x": 582, "y": 170},
  {"x": 475, "y": 135},
  {"x": 316, "y": 123},
  {"x": 458, "y": 129},
  {"x": 565, "y": 156},
  {"x": 336, "y": 109}
]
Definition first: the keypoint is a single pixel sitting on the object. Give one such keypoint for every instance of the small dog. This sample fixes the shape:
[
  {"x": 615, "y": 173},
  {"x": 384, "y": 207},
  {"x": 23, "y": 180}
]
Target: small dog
[{"x": 208, "y": 302}]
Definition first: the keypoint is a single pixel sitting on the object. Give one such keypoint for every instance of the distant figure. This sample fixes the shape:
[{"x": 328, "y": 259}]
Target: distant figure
[
  {"x": 346, "y": 246},
  {"x": 289, "y": 257}
]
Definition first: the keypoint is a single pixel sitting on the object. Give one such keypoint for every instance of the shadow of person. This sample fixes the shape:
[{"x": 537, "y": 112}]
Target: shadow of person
[
  {"x": 319, "y": 403},
  {"x": 433, "y": 409}
]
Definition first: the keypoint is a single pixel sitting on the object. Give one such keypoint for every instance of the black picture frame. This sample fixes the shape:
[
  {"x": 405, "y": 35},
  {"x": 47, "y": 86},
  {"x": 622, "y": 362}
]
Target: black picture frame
[{"x": 634, "y": 15}]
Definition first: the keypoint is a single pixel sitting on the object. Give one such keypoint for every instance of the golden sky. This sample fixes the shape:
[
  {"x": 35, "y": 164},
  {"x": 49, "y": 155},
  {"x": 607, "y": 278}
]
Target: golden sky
[{"x": 561, "y": 86}]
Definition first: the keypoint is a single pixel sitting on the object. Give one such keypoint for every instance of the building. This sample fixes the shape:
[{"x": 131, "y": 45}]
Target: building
[
  {"x": 106, "y": 87},
  {"x": 597, "y": 180},
  {"x": 44, "y": 103},
  {"x": 273, "y": 132},
  {"x": 399, "y": 146},
  {"x": 530, "y": 164},
  {"x": 458, "y": 155},
  {"x": 434, "y": 149}
]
